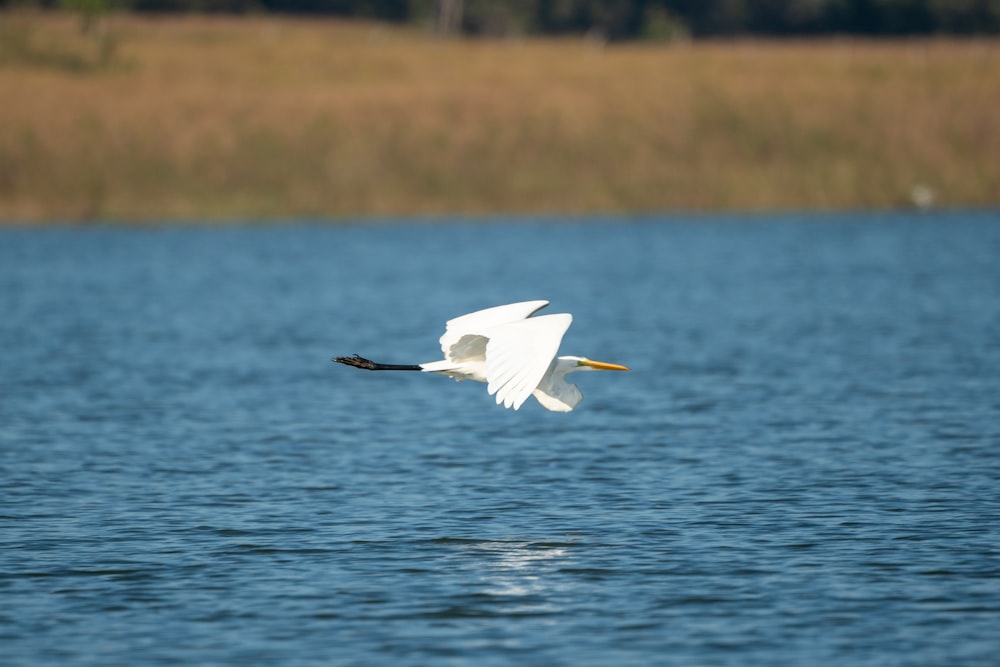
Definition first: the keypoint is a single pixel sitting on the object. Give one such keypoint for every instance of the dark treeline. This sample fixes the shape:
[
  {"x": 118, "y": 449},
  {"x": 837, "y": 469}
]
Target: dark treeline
[{"x": 624, "y": 19}]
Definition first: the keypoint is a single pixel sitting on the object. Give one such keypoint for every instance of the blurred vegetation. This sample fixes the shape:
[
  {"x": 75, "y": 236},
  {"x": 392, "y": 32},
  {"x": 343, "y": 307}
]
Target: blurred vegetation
[
  {"x": 617, "y": 19},
  {"x": 89, "y": 49},
  {"x": 224, "y": 117}
]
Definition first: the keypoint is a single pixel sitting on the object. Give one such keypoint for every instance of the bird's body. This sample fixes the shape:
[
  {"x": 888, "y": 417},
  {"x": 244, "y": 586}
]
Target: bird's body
[{"x": 510, "y": 350}]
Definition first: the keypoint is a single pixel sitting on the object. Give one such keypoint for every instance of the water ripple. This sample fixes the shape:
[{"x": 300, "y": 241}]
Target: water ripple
[{"x": 801, "y": 469}]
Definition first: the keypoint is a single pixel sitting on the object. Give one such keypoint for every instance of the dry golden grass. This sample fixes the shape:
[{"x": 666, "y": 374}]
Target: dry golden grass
[{"x": 207, "y": 117}]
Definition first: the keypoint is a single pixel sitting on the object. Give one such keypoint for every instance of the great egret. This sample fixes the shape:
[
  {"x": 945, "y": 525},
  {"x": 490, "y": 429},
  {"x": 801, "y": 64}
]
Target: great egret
[{"x": 511, "y": 351}]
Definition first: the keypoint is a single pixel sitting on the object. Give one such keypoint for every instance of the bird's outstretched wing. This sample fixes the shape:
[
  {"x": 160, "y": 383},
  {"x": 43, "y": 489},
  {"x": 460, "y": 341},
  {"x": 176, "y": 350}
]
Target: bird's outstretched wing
[
  {"x": 519, "y": 353},
  {"x": 465, "y": 337}
]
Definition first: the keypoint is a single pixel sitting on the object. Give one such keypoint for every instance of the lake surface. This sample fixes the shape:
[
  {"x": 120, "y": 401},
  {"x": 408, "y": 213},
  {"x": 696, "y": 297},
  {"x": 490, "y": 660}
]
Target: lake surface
[{"x": 803, "y": 466}]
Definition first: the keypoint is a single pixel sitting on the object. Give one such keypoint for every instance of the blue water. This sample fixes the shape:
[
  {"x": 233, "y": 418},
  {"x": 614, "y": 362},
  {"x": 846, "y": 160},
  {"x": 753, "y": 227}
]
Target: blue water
[{"x": 802, "y": 468}]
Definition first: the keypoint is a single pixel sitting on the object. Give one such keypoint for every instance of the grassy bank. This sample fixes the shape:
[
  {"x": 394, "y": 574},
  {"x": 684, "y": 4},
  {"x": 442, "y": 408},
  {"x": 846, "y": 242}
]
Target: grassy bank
[{"x": 266, "y": 117}]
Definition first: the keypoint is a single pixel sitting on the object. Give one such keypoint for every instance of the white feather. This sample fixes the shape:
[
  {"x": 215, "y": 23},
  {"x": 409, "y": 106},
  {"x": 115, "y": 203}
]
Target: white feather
[
  {"x": 518, "y": 355},
  {"x": 463, "y": 337}
]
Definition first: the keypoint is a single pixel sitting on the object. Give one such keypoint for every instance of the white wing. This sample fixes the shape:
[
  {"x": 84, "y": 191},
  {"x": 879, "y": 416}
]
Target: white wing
[
  {"x": 464, "y": 337},
  {"x": 519, "y": 353}
]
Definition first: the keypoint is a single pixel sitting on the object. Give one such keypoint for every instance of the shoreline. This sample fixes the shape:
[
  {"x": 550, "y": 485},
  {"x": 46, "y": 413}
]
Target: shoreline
[{"x": 791, "y": 216}]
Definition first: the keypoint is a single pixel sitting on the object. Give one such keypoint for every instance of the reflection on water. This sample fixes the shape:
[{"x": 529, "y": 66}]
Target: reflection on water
[
  {"x": 521, "y": 569},
  {"x": 800, "y": 469}
]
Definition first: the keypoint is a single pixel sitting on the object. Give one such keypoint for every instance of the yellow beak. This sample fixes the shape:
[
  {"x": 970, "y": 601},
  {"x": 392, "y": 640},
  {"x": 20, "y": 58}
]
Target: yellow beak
[{"x": 602, "y": 366}]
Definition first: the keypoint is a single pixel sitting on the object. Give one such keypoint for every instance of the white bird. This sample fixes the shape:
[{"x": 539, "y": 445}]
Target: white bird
[{"x": 511, "y": 351}]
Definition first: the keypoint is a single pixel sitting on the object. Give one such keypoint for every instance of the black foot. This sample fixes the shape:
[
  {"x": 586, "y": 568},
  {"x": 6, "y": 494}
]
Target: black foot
[{"x": 356, "y": 361}]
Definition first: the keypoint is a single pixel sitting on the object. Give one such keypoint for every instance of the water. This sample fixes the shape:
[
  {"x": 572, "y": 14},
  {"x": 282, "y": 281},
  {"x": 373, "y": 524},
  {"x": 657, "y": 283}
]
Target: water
[{"x": 802, "y": 468}]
